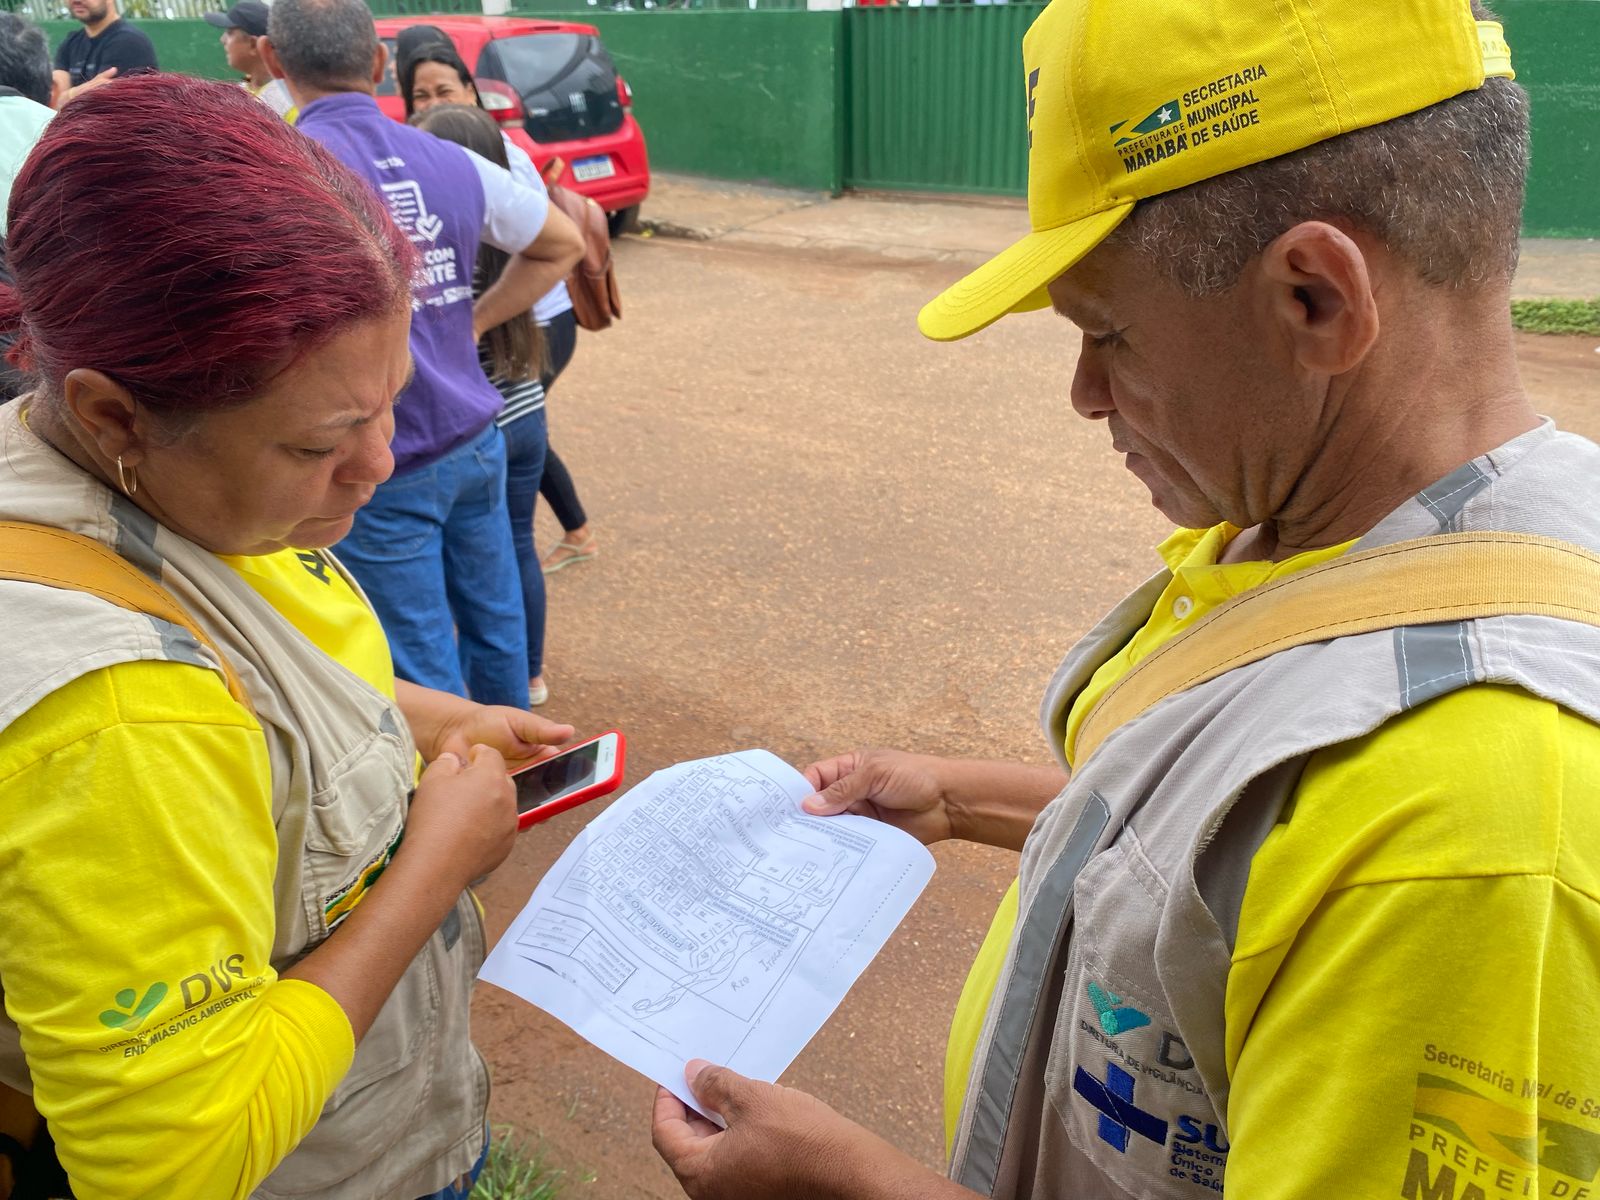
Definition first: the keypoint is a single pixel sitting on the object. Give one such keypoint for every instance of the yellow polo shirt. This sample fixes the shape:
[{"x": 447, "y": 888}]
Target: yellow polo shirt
[
  {"x": 1416, "y": 981},
  {"x": 137, "y": 859}
]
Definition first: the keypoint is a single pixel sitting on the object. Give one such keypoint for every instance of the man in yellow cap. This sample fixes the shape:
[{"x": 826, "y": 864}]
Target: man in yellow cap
[{"x": 1310, "y": 905}]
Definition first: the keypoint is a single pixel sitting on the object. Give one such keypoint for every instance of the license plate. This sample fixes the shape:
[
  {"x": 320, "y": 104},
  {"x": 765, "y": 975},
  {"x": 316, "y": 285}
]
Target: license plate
[{"x": 601, "y": 167}]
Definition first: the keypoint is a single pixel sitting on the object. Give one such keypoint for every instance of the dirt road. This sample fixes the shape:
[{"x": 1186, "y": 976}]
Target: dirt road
[{"x": 820, "y": 531}]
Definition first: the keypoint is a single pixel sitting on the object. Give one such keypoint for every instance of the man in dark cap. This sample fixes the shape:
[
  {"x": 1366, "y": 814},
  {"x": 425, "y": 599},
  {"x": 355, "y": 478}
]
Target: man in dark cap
[{"x": 243, "y": 26}]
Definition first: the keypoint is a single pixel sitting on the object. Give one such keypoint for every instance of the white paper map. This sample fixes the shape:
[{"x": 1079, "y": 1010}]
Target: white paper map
[{"x": 706, "y": 915}]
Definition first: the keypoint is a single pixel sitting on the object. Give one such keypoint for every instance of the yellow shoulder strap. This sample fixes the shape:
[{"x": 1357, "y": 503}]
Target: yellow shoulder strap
[
  {"x": 1450, "y": 577},
  {"x": 56, "y": 558}
]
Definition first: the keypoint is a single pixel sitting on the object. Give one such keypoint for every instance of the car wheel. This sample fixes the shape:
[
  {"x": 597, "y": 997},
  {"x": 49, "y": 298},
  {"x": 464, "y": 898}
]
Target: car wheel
[{"x": 623, "y": 221}]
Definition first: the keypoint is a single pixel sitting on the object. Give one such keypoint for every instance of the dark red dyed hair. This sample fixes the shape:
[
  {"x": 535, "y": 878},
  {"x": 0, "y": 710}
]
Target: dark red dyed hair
[{"x": 178, "y": 236}]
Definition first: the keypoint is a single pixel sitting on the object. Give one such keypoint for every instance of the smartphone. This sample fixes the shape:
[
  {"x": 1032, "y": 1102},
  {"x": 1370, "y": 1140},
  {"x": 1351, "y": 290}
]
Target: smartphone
[{"x": 579, "y": 773}]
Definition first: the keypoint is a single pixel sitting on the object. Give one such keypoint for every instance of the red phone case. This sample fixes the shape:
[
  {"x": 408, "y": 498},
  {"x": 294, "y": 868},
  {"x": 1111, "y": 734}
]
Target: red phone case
[{"x": 600, "y": 787}]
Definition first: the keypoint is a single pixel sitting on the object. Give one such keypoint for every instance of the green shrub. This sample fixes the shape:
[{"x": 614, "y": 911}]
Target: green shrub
[
  {"x": 1556, "y": 316},
  {"x": 516, "y": 1171}
]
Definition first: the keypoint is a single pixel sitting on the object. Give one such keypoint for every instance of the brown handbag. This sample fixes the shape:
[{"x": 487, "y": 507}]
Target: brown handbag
[{"x": 593, "y": 282}]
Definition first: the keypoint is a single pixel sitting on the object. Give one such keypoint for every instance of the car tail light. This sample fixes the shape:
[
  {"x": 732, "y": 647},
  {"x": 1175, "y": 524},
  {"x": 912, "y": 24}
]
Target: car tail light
[
  {"x": 500, "y": 101},
  {"x": 624, "y": 94}
]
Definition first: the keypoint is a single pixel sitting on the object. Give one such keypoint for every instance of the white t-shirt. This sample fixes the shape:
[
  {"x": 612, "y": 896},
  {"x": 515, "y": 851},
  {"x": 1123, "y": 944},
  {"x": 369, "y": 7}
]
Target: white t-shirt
[
  {"x": 275, "y": 95},
  {"x": 513, "y": 214},
  {"x": 557, "y": 300},
  {"x": 21, "y": 122}
]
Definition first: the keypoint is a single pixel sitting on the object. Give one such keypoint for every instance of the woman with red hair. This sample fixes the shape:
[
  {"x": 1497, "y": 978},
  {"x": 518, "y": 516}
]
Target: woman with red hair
[{"x": 224, "y": 971}]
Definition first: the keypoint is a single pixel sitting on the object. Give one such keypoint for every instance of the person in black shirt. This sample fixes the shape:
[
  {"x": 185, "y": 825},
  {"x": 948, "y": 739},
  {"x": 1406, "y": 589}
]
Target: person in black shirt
[{"x": 103, "y": 49}]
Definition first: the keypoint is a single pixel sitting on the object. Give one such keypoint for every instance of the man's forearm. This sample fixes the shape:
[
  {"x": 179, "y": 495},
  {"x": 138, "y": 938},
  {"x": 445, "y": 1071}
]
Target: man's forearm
[
  {"x": 925, "y": 1185},
  {"x": 996, "y": 803},
  {"x": 360, "y": 963},
  {"x": 881, "y": 1171}
]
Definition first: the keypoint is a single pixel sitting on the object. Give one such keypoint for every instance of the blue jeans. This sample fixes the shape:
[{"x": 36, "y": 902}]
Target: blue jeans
[
  {"x": 525, "y": 447},
  {"x": 461, "y": 1189},
  {"x": 433, "y": 550}
]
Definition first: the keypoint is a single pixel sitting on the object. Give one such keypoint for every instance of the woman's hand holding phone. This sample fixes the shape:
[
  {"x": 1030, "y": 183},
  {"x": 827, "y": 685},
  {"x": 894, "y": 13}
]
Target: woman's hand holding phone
[
  {"x": 461, "y": 825},
  {"x": 463, "y": 818},
  {"x": 520, "y": 736}
]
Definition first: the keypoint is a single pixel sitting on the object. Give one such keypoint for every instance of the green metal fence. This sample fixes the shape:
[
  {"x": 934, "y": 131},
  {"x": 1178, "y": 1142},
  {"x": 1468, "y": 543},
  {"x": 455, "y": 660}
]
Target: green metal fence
[
  {"x": 1555, "y": 47},
  {"x": 933, "y": 98},
  {"x": 735, "y": 95},
  {"x": 422, "y": 8},
  {"x": 926, "y": 98},
  {"x": 930, "y": 99}
]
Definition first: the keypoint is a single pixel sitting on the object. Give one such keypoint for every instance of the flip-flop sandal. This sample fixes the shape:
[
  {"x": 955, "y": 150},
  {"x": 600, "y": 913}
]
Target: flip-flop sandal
[{"x": 576, "y": 552}]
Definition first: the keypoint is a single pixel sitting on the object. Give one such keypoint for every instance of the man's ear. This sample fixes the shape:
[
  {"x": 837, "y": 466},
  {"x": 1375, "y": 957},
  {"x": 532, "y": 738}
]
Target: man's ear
[
  {"x": 269, "y": 55},
  {"x": 379, "y": 61},
  {"x": 107, "y": 415},
  {"x": 1321, "y": 296}
]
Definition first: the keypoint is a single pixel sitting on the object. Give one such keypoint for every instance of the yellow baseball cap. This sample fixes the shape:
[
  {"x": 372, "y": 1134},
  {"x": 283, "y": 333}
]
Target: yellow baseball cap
[{"x": 1131, "y": 98}]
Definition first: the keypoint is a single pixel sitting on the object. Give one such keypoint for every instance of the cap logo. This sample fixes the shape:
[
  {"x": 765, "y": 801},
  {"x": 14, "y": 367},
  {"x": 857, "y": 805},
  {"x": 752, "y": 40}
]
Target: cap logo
[
  {"x": 1202, "y": 114},
  {"x": 1033, "y": 86},
  {"x": 1159, "y": 136}
]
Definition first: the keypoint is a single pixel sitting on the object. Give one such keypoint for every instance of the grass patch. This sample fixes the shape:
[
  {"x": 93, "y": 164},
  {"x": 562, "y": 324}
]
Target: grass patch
[
  {"x": 518, "y": 1171},
  {"x": 1556, "y": 316}
]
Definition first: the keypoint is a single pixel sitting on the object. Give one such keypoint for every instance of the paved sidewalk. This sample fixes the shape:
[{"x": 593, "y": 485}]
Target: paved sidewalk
[
  {"x": 915, "y": 228},
  {"x": 1558, "y": 269},
  {"x": 964, "y": 231}
]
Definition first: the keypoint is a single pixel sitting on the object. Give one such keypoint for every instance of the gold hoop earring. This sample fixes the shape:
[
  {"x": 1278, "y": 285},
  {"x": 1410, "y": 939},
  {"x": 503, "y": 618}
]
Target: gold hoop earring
[{"x": 128, "y": 477}]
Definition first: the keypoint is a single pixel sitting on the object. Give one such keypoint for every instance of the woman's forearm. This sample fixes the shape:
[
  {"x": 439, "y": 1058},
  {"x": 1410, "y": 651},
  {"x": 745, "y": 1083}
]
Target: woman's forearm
[
  {"x": 428, "y": 712},
  {"x": 361, "y": 962}
]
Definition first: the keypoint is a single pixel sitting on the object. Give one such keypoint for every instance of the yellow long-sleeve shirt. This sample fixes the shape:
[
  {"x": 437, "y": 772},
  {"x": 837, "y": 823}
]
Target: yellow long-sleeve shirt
[{"x": 137, "y": 854}]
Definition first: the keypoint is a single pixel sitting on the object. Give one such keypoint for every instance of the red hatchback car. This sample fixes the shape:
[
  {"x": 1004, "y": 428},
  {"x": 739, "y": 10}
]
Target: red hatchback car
[{"x": 555, "y": 92}]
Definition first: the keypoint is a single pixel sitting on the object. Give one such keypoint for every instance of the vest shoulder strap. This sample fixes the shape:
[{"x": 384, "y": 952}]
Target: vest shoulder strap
[
  {"x": 1447, "y": 577},
  {"x": 57, "y": 558}
]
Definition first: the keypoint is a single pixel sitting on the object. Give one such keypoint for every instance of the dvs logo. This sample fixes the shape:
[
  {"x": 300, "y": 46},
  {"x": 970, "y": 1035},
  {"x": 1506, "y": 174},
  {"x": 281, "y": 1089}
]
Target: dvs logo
[{"x": 128, "y": 1014}]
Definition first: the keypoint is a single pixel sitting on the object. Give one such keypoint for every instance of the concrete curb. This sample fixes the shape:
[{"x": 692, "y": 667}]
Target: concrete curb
[
  {"x": 758, "y": 239},
  {"x": 672, "y": 229}
]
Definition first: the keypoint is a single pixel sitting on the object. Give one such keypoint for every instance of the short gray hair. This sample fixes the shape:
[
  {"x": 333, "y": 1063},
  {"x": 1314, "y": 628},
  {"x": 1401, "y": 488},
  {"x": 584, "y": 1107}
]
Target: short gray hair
[
  {"x": 1442, "y": 188},
  {"x": 326, "y": 44},
  {"x": 24, "y": 58}
]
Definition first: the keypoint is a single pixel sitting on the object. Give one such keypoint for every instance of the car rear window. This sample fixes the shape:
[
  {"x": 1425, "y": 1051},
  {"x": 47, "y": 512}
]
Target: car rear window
[
  {"x": 388, "y": 85},
  {"x": 567, "y": 83}
]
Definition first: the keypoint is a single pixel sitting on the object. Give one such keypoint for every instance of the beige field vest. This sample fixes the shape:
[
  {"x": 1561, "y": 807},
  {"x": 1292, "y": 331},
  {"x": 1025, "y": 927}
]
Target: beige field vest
[
  {"x": 1133, "y": 878},
  {"x": 408, "y": 1117}
]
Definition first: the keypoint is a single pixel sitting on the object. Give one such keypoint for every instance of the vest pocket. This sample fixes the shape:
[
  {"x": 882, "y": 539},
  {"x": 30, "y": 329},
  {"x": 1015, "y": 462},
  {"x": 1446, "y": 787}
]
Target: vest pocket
[
  {"x": 1120, "y": 1077},
  {"x": 354, "y": 827}
]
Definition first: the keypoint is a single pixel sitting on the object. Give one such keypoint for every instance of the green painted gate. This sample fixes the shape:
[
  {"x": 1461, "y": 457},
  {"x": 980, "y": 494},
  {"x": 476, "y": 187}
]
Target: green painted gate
[{"x": 935, "y": 98}]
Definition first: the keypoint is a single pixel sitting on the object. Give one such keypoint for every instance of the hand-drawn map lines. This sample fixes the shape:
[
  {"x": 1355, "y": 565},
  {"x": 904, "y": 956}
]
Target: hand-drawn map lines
[{"x": 720, "y": 910}]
